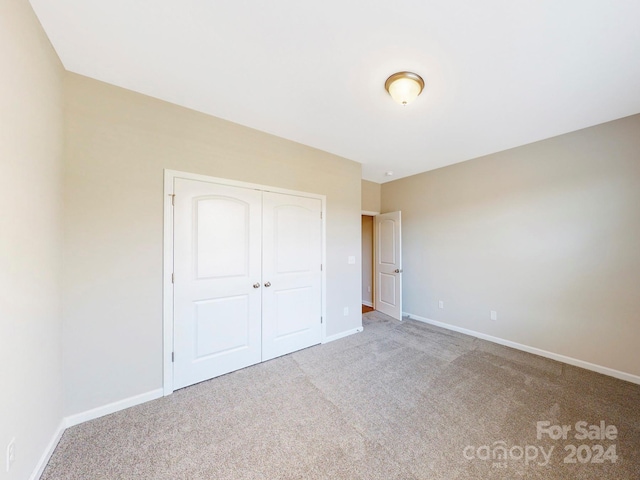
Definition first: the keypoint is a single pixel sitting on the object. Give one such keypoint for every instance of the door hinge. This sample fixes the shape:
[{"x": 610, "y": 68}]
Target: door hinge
[
  {"x": 173, "y": 199},
  {"x": 173, "y": 357},
  {"x": 320, "y": 215},
  {"x": 173, "y": 278},
  {"x": 320, "y": 267},
  {"x": 320, "y": 319}
]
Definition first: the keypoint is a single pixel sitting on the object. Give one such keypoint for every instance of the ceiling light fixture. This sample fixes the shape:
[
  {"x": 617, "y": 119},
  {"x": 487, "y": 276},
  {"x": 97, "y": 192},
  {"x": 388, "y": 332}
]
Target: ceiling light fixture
[{"x": 404, "y": 87}]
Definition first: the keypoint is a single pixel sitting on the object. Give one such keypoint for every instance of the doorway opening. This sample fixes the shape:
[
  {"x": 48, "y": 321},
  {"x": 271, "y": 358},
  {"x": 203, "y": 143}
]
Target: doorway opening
[
  {"x": 368, "y": 290},
  {"x": 382, "y": 263}
]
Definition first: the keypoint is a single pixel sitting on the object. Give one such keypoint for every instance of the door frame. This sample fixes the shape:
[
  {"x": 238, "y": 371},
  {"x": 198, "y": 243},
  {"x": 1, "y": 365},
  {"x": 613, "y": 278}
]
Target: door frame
[{"x": 167, "y": 259}]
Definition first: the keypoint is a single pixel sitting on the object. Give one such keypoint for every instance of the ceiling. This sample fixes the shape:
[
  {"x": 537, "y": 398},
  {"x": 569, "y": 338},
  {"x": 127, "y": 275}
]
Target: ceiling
[{"x": 498, "y": 73}]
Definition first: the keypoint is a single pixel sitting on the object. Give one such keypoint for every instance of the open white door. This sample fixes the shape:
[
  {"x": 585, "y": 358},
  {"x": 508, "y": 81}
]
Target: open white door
[{"x": 388, "y": 264}]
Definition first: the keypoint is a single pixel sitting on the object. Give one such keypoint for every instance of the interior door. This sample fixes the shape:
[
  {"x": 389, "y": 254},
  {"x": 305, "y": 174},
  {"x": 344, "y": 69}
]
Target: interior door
[
  {"x": 291, "y": 273},
  {"x": 217, "y": 284},
  {"x": 388, "y": 264}
]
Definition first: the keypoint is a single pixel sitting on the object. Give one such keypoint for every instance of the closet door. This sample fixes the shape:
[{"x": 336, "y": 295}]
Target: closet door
[
  {"x": 291, "y": 273},
  {"x": 217, "y": 285}
]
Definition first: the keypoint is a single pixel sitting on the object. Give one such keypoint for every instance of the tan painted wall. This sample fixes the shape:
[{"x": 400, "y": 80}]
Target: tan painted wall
[
  {"x": 31, "y": 137},
  {"x": 367, "y": 259},
  {"x": 118, "y": 143},
  {"x": 370, "y": 196},
  {"x": 547, "y": 235}
]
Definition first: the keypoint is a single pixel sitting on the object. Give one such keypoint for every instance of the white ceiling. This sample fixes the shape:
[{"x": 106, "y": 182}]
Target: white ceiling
[{"x": 498, "y": 73}]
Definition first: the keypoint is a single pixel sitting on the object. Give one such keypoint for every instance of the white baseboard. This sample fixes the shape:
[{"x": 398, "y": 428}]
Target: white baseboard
[
  {"x": 338, "y": 336},
  {"x": 368, "y": 304},
  {"x": 92, "y": 414},
  {"x": 536, "y": 351},
  {"x": 98, "y": 412},
  {"x": 44, "y": 459}
]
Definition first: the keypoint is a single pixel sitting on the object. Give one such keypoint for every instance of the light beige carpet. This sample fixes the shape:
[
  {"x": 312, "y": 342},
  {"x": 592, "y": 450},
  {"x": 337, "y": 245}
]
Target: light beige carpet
[{"x": 402, "y": 400}]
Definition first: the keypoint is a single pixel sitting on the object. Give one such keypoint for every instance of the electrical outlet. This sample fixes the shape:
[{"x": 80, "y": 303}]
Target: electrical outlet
[
  {"x": 494, "y": 315},
  {"x": 440, "y": 304},
  {"x": 346, "y": 311},
  {"x": 11, "y": 453}
]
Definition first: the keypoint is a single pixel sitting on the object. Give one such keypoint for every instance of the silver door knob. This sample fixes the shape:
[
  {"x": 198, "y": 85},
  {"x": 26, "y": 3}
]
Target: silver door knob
[
  {"x": 398, "y": 270},
  {"x": 256, "y": 285},
  {"x": 268, "y": 284}
]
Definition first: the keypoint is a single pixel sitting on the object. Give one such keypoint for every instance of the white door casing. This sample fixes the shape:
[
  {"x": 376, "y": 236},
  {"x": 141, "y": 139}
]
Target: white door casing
[
  {"x": 388, "y": 264},
  {"x": 292, "y": 275},
  {"x": 217, "y": 241}
]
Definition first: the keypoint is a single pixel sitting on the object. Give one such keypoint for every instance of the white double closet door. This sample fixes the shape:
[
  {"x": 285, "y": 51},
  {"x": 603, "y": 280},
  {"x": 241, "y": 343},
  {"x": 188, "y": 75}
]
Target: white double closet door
[{"x": 247, "y": 285}]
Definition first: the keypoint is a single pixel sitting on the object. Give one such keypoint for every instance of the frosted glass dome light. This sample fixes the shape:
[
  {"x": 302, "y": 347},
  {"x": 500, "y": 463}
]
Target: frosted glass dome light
[{"x": 404, "y": 87}]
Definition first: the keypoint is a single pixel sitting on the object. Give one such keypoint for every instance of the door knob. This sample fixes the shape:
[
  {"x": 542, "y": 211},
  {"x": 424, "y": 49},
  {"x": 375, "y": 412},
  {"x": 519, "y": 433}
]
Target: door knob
[
  {"x": 268, "y": 284},
  {"x": 398, "y": 270},
  {"x": 256, "y": 285}
]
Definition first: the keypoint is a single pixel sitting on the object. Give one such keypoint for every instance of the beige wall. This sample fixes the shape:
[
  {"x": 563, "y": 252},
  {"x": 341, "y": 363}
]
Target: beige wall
[
  {"x": 30, "y": 240},
  {"x": 547, "y": 235},
  {"x": 117, "y": 145},
  {"x": 367, "y": 259},
  {"x": 370, "y": 196}
]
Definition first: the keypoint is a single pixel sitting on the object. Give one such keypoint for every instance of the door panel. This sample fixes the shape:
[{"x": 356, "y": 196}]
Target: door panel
[
  {"x": 290, "y": 304},
  {"x": 388, "y": 289},
  {"x": 292, "y": 254},
  {"x": 293, "y": 232},
  {"x": 222, "y": 326},
  {"x": 387, "y": 241},
  {"x": 217, "y": 257},
  {"x": 388, "y": 264}
]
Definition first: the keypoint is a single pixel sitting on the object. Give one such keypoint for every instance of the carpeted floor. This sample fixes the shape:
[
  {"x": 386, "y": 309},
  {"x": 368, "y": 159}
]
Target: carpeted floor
[{"x": 401, "y": 400}]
